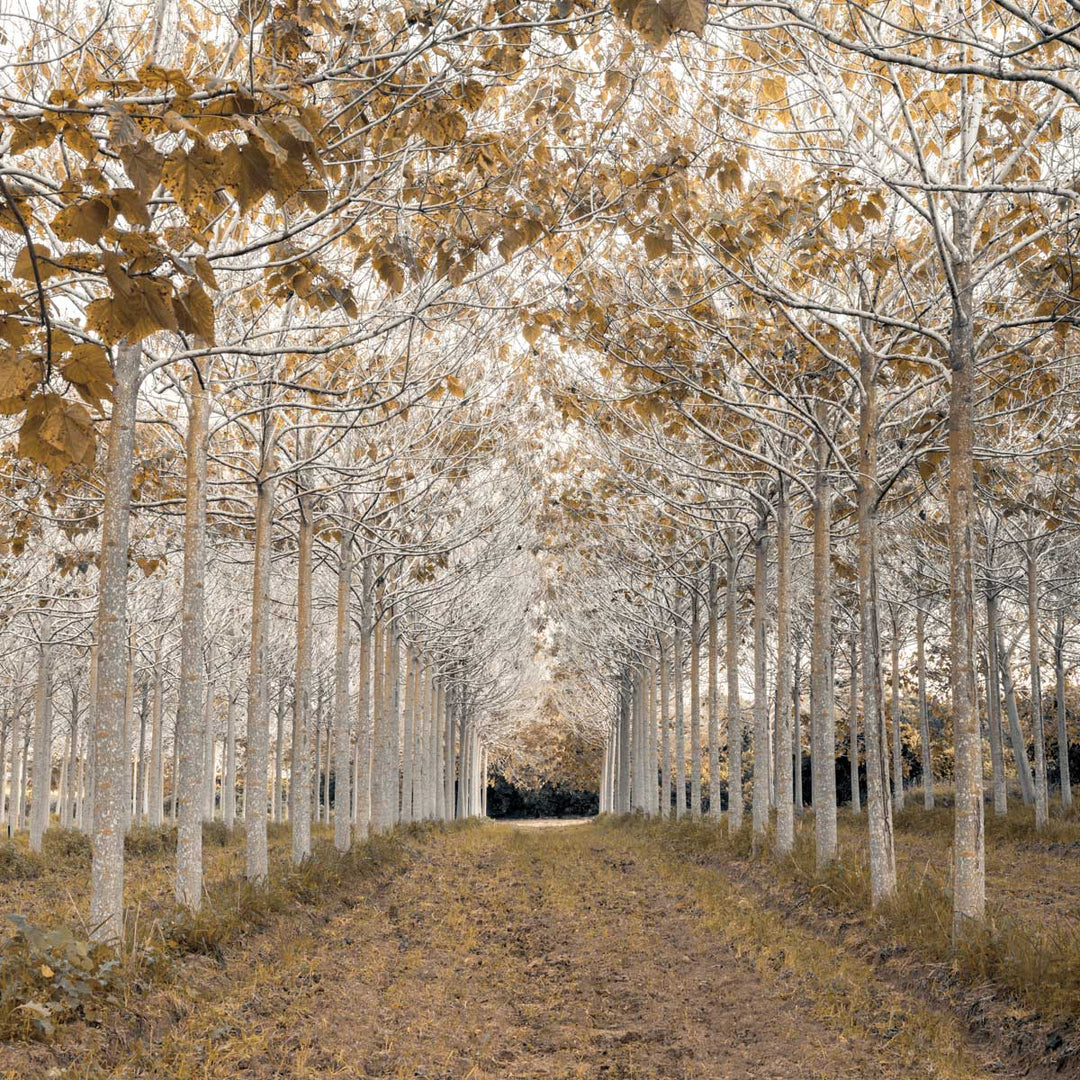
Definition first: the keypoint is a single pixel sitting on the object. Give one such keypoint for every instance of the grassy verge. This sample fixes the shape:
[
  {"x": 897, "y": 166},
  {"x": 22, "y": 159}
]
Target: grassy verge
[
  {"x": 1035, "y": 961},
  {"x": 839, "y": 984},
  {"x": 51, "y": 973}
]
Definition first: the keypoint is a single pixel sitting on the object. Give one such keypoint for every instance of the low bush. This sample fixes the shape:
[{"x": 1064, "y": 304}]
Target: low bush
[
  {"x": 48, "y": 976},
  {"x": 18, "y": 863}
]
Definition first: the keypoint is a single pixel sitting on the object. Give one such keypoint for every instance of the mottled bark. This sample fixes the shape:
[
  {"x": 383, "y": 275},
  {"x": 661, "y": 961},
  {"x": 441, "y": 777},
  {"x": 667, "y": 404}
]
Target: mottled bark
[
  {"x": 695, "y": 706},
  {"x": 714, "y": 704},
  {"x": 822, "y": 723},
  {"x": 342, "y": 711},
  {"x": 110, "y": 753},
  {"x": 258, "y": 699},
  {"x": 190, "y": 784},
  {"x": 39, "y": 808},
  {"x": 924, "y": 713},
  {"x": 878, "y": 803},
  {"x": 680, "y": 722},
  {"x": 300, "y": 766},
  {"x": 1038, "y": 723},
  {"x": 734, "y": 707},
  {"x": 969, "y": 872},
  {"x": 1062, "y": 715},
  {"x": 785, "y": 818},
  {"x": 760, "y": 796}
]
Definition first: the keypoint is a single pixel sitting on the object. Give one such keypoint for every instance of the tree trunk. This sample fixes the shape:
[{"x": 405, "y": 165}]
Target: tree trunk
[
  {"x": 823, "y": 721},
  {"x": 760, "y": 806},
  {"x": 110, "y": 754},
  {"x": 342, "y": 651},
  {"x": 924, "y": 715},
  {"x": 300, "y": 770},
  {"x": 39, "y": 808},
  {"x": 228, "y": 786},
  {"x": 993, "y": 716},
  {"x": 695, "y": 707},
  {"x": 1016, "y": 735},
  {"x": 853, "y": 726},
  {"x": 734, "y": 706},
  {"x": 897, "y": 717},
  {"x": 785, "y": 820},
  {"x": 157, "y": 757},
  {"x": 797, "y": 735},
  {"x": 680, "y": 723},
  {"x": 879, "y": 808},
  {"x": 624, "y": 744},
  {"x": 140, "y": 773},
  {"x": 969, "y": 872},
  {"x": 1062, "y": 714},
  {"x": 1038, "y": 726},
  {"x": 190, "y": 706},
  {"x": 665, "y": 733},
  {"x": 279, "y": 754},
  {"x": 408, "y": 737},
  {"x": 258, "y": 703}
]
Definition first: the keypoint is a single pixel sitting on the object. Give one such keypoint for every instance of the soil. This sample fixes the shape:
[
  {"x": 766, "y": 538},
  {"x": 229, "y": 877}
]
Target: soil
[{"x": 497, "y": 952}]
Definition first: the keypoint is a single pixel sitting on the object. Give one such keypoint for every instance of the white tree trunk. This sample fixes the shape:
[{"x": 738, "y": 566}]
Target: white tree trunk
[
  {"x": 256, "y": 758},
  {"x": 760, "y": 803},
  {"x": 110, "y": 753},
  {"x": 39, "y": 808},
  {"x": 342, "y": 712},
  {"x": 190, "y": 720}
]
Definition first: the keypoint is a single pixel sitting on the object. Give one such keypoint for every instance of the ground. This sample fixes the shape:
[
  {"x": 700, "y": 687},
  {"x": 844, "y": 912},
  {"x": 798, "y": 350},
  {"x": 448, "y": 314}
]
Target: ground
[{"x": 494, "y": 951}]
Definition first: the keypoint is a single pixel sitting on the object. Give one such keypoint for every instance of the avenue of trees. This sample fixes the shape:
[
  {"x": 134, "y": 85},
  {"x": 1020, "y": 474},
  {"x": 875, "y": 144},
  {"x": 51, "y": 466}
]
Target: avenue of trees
[{"x": 695, "y": 383}]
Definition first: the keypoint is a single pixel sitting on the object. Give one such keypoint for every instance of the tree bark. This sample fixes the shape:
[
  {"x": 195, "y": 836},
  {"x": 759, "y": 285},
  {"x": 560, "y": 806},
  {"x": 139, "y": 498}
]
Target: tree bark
[
  {"x": 1062, "y": 714},
  {"x": 879, "y": 807},
  {"x": 695, "y": 707},
  {"x": 734, "y": 706},
  {"x": 760, "y": 805},
  {"x": 1038, "y": 725},
  {"x": 342, "y": 712},
  {"x": 785, "y": 819},
  {"x": 189, "y": 717},
  {"x": 924, "y": 715},
  {"x": 823, "y": 721},
  {"x": 110, "y": 754},
  {"x": 300, "y": 766},
  {"x": 969, "y": 874},
  {"x": 680, "y": 723},
  {"x": 258, "y": 704},
  {"x": 39, "y": 808}
]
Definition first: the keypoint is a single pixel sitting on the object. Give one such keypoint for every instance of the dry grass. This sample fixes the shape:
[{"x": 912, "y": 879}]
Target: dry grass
[
  {"x": 1029, "y": 943},
  {"x": 50, "y": 973}
]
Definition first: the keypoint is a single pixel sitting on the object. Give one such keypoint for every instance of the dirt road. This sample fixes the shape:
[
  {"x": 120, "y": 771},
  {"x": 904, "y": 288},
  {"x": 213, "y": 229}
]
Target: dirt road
[{"x": 535, "y": 953}]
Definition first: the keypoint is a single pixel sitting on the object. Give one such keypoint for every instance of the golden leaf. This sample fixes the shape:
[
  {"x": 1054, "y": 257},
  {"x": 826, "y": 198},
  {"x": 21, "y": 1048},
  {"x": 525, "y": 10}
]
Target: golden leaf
[
  {"x": 192, "y": 177},
  {"x": 57, "y": 433},
  {"x": 87, "y": 368},
  {"x": 144, "y": 165},
  {"x": 195, "y": 313},
  {"x": 389, "y": 272},
  {"x": 18, "y": 377},
  {"x": 130, "y": 203},
  {"x": 247, "y": 173},
  {"x": 84, "y": 221}
]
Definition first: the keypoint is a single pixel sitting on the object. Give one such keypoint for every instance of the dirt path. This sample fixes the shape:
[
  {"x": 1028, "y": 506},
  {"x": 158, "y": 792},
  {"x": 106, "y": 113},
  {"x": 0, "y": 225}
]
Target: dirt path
[{"x": 516, "y": 953}]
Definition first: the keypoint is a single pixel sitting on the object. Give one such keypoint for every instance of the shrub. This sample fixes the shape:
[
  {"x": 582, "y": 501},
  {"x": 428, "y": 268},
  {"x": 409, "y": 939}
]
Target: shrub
[
  {"x": 66, "y": 845},
  {"x": 148, "y": 843},
  {"x": 49, "y": 976},
  {"x": 18, "y": 863}
]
